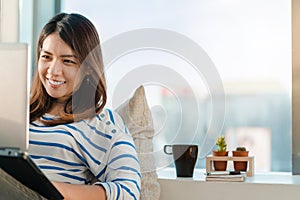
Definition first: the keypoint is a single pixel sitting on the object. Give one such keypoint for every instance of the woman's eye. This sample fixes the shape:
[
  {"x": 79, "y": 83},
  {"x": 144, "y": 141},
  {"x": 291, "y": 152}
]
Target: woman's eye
[
  {"x": 45, "y": 57},
  {"x": 70, "y": 62}
]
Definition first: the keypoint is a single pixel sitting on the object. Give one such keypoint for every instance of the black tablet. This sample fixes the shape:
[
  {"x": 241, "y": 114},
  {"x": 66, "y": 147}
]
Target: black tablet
[{"x": 19, "y": 165}]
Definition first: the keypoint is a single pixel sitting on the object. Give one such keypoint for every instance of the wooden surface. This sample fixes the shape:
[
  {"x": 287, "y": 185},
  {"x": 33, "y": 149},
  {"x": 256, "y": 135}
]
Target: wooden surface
[{"x": 250, "y": 159}]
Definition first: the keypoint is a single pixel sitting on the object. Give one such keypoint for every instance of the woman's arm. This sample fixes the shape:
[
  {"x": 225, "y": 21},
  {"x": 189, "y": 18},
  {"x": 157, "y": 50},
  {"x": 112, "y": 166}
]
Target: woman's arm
[{"x": 74, "y": 192}]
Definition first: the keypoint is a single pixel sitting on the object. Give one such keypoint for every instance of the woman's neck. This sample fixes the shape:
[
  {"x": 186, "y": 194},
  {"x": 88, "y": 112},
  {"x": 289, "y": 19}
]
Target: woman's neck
[{"x": 57, "y": 108}]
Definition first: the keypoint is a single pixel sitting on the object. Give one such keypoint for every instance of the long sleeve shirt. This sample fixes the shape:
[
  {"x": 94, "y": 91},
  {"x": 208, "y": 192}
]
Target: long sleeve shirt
[{"x": 92, "y": 151}]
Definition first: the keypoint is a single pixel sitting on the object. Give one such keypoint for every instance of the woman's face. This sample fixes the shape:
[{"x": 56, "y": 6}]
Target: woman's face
[{"x": 57, "y": 67}]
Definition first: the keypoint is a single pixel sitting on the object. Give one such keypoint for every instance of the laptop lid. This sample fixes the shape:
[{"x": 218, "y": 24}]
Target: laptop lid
[{"x": 14, "y": 100}]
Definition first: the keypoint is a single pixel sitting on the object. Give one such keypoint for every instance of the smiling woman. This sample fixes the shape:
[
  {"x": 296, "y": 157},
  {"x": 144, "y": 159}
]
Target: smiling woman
[
  {"x": 71, "y": 137},
  {"x": 84, "y": 149},
  {"x": 69, "y": 71}
]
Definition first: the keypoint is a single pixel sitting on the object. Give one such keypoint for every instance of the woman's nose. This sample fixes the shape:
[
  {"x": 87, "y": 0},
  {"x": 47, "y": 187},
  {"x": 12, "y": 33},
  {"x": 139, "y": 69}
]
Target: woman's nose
[{"x": 54, "y": 68}]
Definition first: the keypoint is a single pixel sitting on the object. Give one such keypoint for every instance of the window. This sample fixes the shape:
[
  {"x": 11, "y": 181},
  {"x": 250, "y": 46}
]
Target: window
[
  {"x": 32, "y": 17},
  {"x": 247, "y": 42}
]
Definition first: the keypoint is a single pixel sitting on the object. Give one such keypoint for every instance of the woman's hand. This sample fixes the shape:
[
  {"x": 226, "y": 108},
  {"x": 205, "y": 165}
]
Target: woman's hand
[{"x": 74, "y": 192}]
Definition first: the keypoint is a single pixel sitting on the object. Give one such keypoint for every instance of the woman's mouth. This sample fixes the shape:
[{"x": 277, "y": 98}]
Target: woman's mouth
[{"x": 56, "y": 83}]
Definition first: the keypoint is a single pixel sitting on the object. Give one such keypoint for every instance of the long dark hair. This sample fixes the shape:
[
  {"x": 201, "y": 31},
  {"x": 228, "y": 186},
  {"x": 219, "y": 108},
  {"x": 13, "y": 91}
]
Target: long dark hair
[{"x": 89, "y": 95}]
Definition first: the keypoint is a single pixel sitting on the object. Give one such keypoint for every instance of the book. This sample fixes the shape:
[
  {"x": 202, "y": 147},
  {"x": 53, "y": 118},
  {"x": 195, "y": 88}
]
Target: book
[{"x": 224, "y": 176}]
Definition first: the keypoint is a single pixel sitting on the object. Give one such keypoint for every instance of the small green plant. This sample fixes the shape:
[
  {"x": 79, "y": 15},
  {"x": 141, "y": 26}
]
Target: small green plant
[
  {"x": 221, "y": 144},
  {"x": 240, "y": 149}
]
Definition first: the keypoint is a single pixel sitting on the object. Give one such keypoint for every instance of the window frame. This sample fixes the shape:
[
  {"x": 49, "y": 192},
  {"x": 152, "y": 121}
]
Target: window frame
[{"x": 295, "y": 87}]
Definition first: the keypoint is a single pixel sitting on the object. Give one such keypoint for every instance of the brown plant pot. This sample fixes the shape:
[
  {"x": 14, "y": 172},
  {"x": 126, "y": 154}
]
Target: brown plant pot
[
  {"x": 220, "y": 165},
  {"x": 240, "y": 165}
]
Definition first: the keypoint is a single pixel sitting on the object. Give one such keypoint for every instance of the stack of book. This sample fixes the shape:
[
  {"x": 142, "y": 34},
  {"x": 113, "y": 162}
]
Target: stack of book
[{"x": 225, "y": 176}]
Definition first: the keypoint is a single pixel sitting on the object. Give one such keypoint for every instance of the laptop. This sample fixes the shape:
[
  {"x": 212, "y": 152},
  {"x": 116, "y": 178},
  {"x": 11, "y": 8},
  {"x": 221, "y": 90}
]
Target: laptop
[{"x": 14, "y": 121}]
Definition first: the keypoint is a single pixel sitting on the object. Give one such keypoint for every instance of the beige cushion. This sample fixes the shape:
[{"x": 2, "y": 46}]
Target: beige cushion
[{"x": 137, "y": 116}]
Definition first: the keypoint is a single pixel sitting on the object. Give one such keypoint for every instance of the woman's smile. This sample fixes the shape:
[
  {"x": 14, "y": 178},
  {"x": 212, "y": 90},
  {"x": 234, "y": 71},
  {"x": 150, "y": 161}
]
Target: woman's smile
[{"x": 55, "y": 83}]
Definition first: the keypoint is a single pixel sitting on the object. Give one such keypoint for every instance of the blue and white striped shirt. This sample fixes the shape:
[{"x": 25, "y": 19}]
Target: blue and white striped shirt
[{"x": 79, "y": 152}]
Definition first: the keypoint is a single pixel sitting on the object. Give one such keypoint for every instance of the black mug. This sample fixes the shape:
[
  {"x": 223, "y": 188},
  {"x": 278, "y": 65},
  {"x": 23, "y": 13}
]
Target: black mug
[{"x": 185, "y": 157}]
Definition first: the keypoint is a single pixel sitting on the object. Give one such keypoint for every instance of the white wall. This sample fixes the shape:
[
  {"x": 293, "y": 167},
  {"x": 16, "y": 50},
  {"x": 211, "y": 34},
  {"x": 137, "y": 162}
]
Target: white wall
[{"x": 9, "y": 20}]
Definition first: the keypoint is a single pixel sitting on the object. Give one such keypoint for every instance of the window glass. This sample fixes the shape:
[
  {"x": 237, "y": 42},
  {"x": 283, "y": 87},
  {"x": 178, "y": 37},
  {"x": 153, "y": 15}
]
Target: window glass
[
  {"x": 32, "y": 17},
  {"x": 247, "y": 42}
]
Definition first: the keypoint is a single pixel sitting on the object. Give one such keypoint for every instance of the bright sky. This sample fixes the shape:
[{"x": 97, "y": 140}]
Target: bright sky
[{"x": 248, "y": 40}]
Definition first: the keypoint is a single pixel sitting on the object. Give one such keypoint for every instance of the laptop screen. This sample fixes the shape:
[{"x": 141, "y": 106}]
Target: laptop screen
[{"x": 14, "y": 95}]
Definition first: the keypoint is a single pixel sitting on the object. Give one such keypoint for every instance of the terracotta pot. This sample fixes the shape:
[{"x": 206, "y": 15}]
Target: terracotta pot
[
  {"x": 220, "y": 165},
  {"x": 240, "y": 165}
]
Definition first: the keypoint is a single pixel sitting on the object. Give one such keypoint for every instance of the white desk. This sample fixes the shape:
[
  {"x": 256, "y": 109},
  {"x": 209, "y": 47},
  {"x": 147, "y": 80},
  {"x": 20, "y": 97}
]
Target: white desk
[{"x": 265, "y": 186}]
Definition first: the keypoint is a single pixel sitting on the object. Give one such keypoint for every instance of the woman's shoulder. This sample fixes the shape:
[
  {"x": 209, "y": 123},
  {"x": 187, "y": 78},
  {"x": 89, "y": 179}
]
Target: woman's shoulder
[
  {"x": 109, "y": 121},
  {"x": 108, "y": 116}
]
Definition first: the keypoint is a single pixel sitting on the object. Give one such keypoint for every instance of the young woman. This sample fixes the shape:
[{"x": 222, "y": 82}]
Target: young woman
[{"x": 82, "y": 147}]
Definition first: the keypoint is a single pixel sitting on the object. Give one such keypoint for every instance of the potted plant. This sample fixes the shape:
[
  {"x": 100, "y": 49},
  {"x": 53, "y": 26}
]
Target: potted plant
[
  {"x": 221, "y": 151},
  {"x": 240, "y": 165}
]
